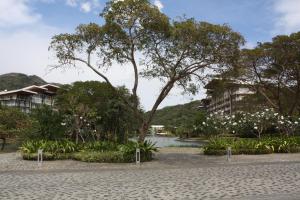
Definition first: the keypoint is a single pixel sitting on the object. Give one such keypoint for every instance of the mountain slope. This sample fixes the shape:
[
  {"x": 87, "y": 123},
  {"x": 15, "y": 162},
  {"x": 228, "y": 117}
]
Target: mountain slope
[
  {"x": 13, "y": 81},
  {"x": 177, "y": 115}
]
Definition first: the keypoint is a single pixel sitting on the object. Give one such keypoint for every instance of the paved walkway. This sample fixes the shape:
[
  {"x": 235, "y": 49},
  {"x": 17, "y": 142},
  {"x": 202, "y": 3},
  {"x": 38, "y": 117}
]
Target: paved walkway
[{"x": 176, "y": 174}]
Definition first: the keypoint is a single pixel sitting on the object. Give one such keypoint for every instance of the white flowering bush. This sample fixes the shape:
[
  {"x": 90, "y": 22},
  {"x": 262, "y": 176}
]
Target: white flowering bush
[
  {"x": 261, "y": 121},
  {"x": 246, "y": 124},
  {"x": 211, "y": 125}
]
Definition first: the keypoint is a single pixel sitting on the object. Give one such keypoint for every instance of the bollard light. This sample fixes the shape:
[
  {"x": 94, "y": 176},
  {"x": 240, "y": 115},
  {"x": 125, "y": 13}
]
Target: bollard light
[
  {"x": 137, "y": 156},
  {"x": 229, "y": 154},
  {"x": 40, "y": 157}
]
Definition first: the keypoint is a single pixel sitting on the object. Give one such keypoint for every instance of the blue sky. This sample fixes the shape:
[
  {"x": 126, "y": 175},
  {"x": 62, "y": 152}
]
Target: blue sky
[{"x": 26, "y": 27}]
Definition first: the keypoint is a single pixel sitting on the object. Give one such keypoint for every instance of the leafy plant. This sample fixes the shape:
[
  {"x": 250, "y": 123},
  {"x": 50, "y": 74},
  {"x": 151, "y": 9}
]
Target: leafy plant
[{"x": 218, "y": 146}]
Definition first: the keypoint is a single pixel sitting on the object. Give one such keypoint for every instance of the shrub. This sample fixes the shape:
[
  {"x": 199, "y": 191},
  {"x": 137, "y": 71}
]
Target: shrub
[
  {"x": 49, "y": 124},
  {"x": 47, "y": 156},
  {"x": 103, "y": 157},
  {"x": 100, "y": 146},
  {"x": 218, "y": 146},
  {"x": 146, "y": 150},
  {"x": 246, "y": 124},
  {"x": 14, "y": 123},
  {"x": 89, "y": 152},
  {"x": 53, "y": 147}
]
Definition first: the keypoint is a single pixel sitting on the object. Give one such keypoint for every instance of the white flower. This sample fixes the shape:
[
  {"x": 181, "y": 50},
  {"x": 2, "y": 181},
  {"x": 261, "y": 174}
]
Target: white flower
[
  {"x": 203, "y": 123},
  {"x": 282, "y": 117},
  {"x": 267, "y": 110},
  {"x": 255, "y": 127},
  {"x": 296, "y": 122},
  {"x": 234, "y": 124}
]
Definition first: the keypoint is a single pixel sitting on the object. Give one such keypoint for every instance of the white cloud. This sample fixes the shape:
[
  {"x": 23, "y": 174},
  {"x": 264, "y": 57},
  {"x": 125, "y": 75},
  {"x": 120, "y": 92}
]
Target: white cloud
[
  {"x": 288, "y": 19},
  {"x": 86, "y": 7},
  {"x": 16, "y": 12},
  {"x": 158, "y": 4}
]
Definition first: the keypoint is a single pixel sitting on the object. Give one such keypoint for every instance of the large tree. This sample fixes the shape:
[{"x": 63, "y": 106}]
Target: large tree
[
  {"x": 178, "y": 53},
  {"x": 274, "y": 70}
]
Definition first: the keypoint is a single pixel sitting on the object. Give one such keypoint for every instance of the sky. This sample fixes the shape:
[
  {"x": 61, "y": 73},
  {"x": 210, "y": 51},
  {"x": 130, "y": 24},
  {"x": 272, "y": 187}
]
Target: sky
[{"x": 26, "y": 28}]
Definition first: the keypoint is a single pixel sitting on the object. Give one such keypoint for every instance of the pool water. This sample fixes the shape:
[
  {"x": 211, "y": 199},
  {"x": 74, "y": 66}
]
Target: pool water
[{"x": 161, "y": 141}]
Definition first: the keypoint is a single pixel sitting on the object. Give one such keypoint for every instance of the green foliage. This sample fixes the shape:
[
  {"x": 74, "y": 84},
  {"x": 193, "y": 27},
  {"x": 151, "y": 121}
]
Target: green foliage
[
  {"x": 14, "y": 81},
  {"x": 146, "y": 150},
  {"x": 218, "y": 146},
  {"x": 177, "y": 116},
  {"x": 88, "y": 152},
  {"x": 94, "y": 110},
  {"x": 273, "y": 68},
  {"x": 14, "y": 123},
  {"x": 53, "y": 147},
  {"x": 100, "y": 146},
  {"x": 103, "y": 157},
  {"x": 49, "y": 124}
]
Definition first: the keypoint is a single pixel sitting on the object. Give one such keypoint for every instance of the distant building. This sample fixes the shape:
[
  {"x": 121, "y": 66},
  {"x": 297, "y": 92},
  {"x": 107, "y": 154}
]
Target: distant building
[
  {"x": 226, "y": 97},
  {"x": 157, "y": 129},
  {"x": 29, "y": 97}
]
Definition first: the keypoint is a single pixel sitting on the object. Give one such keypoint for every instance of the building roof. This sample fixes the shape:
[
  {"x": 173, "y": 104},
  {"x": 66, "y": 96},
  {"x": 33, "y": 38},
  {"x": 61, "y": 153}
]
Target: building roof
[
  {"x": 20, "y": 91},
  {"x": 51, "y": 88},
  {"x": 33, "y": 89}
]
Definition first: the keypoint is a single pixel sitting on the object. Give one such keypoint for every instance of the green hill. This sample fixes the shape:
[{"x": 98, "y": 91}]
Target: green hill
[
  {"x": 13, "y": 81},
  {"x": 177, "y": 115}
]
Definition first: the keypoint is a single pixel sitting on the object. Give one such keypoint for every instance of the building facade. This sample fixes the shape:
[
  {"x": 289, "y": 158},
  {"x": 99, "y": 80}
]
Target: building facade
[
  {"x": 227, "y": 98},
  {"x": 29, "y": 97}
]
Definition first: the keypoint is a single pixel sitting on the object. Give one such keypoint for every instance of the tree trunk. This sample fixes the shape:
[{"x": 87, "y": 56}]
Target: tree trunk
[
  {"x": 143, "y": 131},
  {"x": 145, "y": 124}
]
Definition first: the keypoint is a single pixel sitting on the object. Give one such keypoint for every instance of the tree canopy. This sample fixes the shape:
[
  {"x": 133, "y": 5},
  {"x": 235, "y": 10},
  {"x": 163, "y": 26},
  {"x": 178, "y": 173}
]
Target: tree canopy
[
  {"x": 273, "y": 68},
  {"x": 177, "y": 52},
  {"x": 93, "y": 110}
]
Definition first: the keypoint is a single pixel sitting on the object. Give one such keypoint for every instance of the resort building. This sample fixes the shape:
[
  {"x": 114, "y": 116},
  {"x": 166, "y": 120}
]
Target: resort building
[
  {"x": 29, "y": 97},
  {"x": 227, "y": 97},
  {"x": 157, "y": 130}
]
